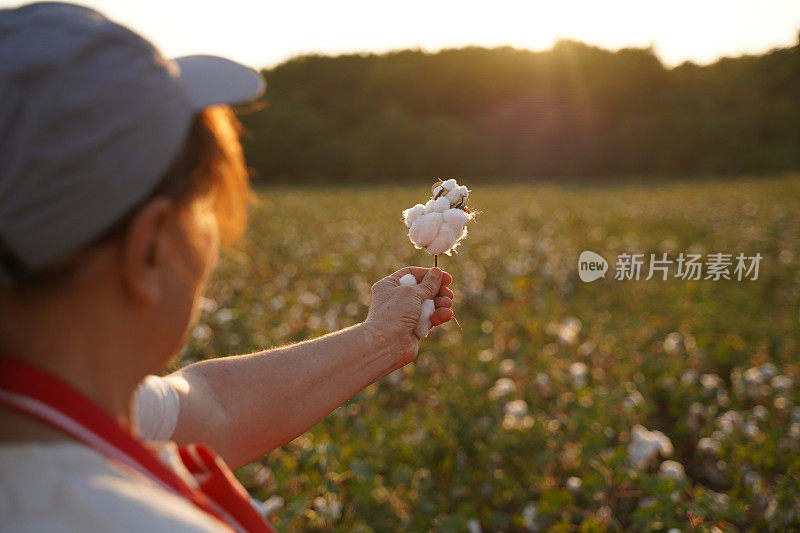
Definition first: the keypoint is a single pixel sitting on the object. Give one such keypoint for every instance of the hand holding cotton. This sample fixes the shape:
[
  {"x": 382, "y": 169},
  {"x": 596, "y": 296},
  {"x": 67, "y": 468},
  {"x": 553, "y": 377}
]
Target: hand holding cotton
[
  {"x": 439, "y": 225},
  {"x": 424, "y": 322}
]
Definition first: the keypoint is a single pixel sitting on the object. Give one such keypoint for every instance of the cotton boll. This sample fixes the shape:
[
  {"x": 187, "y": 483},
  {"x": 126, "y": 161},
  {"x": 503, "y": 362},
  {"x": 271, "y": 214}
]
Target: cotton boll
[
  {"x": 413, "y": 213},
  {"x": 456, "y": 241},
  {"x": 408, "y": 279},
  {"x": 457, "y": 194},
  {"x": 440, "y": 205},
  {"x": 438, "y": 232},
  {"x": 425, "y": 229},
  {"x": 672, "y": 469},
  {"x": 453, "y": 196},
  {"x": 439, "y": 235},
  {"x": 443, "y": 241},
  {"x": 444, "y": 188},
  {"x": 646, "y": 445},
  {"x": 424, "y": 323},
  {"x": 450, "y": 235},
  {"x": 456, "y": 219},
  {"x": 459, "y": 238}
]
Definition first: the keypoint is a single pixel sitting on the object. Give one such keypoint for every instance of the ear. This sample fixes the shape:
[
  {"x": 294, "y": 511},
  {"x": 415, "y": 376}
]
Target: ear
[{"x": 143, "y": 245}]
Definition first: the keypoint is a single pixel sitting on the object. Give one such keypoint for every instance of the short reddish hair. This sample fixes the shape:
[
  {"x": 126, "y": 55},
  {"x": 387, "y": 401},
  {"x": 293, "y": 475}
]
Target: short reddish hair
[{"x": 211, "y": 165}]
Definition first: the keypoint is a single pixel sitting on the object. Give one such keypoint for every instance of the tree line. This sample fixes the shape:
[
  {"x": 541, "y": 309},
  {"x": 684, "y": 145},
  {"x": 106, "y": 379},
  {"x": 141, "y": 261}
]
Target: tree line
[{"x": 574, "y": 110}]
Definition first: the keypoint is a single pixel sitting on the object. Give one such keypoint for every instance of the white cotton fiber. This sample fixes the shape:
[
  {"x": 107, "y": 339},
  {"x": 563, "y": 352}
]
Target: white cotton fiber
[
  {"x": 443, "y": 241},
  {"x": 455, "y": 195},
  {"x": 440, "y": 224},
  {"x": 440, "y": 205},
  {"x": 456, "y": 219},
  {"x": 408, "y": 279},
  {"x": 439, "y": 233},
  {"x": 448, "y": 185},
  {"x": 412, "y": 214},
  {"x": 424, "y": 323},
  {"x": 425, "y": 229}
]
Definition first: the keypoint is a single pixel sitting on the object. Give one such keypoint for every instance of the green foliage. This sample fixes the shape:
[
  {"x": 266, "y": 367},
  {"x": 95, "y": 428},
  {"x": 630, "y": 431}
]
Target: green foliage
[
  {"x": 574, "y": 110},
  {"x": 431, "y": 447}
]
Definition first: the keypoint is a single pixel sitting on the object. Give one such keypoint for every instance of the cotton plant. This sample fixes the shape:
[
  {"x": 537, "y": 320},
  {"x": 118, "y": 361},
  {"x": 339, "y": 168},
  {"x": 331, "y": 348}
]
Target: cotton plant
[{"x": 438, "y": 227}]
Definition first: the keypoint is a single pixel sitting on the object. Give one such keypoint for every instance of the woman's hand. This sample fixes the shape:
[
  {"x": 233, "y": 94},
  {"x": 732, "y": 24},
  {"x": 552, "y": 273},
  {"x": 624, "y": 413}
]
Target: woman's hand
[{"x": 394, "y": 309}]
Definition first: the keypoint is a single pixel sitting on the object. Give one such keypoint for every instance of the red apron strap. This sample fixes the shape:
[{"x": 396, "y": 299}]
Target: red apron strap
[
  {"x": 217, "y": 480},
  {"x": 41, "y": 395}
]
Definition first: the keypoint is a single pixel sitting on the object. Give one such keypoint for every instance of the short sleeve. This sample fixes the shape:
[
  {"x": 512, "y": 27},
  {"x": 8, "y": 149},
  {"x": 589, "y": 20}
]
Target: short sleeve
[{"x": 155, "y": 409}]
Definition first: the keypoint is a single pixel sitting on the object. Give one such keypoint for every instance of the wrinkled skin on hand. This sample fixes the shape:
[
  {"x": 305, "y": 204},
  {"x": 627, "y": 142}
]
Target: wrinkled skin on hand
[{"x": 394, "y": 309}]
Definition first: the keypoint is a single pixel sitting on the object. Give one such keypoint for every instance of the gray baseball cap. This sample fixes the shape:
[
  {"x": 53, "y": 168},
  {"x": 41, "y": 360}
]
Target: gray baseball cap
[{"x": 91, "y": 117}]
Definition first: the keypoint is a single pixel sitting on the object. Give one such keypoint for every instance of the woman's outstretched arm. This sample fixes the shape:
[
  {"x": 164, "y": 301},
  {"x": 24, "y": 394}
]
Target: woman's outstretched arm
[{"x": 246, "y": 405}]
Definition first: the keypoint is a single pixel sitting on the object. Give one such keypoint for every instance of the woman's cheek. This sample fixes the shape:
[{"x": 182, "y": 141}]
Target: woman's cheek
[
  {"x": 208, "y": 245},
  {"x": 208, "y": 232}
]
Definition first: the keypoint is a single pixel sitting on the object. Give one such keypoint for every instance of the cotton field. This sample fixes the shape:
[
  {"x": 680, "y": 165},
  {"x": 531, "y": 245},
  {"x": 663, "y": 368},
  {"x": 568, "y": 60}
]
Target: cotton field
[{"x": 615, "y": 405}]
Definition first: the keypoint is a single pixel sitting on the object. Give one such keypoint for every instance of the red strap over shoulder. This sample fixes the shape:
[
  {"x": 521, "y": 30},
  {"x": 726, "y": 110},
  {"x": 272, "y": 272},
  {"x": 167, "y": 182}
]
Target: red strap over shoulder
[
  {"x": 41, "y": 395},
  {"x": 218, "y": 482}
]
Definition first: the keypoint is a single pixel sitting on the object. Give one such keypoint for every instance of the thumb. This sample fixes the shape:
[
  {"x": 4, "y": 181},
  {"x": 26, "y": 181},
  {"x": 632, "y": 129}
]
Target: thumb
[{"x": 430, "y": 284}]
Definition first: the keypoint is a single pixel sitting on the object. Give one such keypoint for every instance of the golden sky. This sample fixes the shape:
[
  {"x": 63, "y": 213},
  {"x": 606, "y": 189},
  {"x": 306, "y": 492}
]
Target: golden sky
[{"x": 264, "y": 33}]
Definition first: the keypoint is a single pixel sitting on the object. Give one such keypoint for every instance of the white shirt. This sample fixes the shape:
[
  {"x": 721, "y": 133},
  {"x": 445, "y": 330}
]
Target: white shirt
[{"x": 67, "y": 487}]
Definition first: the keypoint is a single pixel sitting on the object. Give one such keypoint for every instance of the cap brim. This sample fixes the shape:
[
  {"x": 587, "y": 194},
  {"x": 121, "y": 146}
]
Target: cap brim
[{"x": 213, "y": 80}]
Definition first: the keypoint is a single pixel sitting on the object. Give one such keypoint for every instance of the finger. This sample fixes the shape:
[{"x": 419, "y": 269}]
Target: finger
[
  {"x": 441, "y": 315},
  {"x": 395, "y": 276},
  {"x": 419, "y": 273},
  {"x": 430, "y": 284},
  {"x": 447, "y": 293},
  {"x": 442, "y": 301}
]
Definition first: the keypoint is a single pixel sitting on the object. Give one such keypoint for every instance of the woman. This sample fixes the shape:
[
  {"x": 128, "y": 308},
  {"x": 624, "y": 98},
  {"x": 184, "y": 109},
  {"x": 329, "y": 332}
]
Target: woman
[{"x": 121, "y": 174}]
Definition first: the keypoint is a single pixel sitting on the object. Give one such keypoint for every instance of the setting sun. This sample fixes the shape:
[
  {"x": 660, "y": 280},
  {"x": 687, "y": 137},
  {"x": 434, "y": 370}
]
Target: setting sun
[{"x": 265, "y": 34}]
